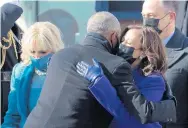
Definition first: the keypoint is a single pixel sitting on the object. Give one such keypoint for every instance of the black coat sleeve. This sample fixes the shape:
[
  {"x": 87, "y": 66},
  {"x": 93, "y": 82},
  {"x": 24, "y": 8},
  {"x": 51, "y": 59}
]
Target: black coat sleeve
[{"x": 136, "y": 103}]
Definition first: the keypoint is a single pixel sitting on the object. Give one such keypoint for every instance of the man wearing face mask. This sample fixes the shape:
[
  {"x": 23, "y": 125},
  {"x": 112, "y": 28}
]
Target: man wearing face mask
[
  {"x": 71, "y": 105},
  {"x": 161, "y": 15}
]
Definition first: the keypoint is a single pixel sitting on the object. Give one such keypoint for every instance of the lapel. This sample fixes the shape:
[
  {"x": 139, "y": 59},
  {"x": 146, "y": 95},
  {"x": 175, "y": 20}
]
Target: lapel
[
  {"x": 23, "y": 91},
  {"x": 174, "y": 48},
  {"x": 175, "y": 56}
]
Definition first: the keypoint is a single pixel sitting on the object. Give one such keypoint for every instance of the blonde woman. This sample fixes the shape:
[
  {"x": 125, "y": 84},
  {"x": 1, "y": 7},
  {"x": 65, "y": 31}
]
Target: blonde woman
[{"x": 39, "y": 43}]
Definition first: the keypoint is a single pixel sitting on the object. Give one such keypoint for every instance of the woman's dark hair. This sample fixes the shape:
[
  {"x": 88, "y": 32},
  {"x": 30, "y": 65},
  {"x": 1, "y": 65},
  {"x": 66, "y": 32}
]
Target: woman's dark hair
[{"x": 152, "y": 47}]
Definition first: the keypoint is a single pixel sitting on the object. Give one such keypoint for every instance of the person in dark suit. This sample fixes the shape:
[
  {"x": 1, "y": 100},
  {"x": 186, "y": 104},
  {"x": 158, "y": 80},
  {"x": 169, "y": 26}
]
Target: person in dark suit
[
  {"x": 162, "y": 16},
  {"x": 65, "y": 101}
]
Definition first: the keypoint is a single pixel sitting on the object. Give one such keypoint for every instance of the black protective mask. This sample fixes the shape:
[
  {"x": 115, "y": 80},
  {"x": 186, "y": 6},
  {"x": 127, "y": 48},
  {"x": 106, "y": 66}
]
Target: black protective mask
[
  {"x": 126, "y": 53},
  {"x": 152, "y": 22}
]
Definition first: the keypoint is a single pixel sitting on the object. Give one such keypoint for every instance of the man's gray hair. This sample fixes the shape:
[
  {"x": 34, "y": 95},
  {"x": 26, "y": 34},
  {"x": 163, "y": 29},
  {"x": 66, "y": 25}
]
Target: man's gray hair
[
  {"x": 103, "y": 23},
  {"x": 170, "y": 5}
]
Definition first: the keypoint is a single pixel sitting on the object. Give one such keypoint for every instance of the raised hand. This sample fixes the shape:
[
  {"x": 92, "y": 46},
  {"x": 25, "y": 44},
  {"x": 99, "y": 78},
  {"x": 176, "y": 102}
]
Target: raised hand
[{"x": 90, "y": 72}]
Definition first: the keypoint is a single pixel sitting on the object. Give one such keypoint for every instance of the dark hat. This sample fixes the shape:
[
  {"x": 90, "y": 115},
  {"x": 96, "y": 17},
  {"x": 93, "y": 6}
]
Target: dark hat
[{"x": 9, "y": 14}]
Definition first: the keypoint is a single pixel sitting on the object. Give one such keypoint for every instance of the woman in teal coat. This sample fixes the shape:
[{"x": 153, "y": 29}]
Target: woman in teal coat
[{"x": 39, "y": 43}]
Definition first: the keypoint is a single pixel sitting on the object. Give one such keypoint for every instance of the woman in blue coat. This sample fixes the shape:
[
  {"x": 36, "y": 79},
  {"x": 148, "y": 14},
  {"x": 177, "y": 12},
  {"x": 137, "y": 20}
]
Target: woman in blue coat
[
  {"x": 39, "y": 43},
  {"x": 145, "y": 51}
]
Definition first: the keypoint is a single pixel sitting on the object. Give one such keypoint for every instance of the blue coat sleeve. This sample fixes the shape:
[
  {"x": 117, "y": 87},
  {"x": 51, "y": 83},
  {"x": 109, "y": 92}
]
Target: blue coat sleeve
[
  {"x": 106, "y": 95},
  {"x": 12, "y": 117}
]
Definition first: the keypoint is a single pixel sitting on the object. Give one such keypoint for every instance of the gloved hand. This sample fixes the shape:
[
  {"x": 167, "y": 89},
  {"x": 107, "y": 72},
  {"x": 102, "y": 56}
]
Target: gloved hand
[{"x": 90, "y": 72}]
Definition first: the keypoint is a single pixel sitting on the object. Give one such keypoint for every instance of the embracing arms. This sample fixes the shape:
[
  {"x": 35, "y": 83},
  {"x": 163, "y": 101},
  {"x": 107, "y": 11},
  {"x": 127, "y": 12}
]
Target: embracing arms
[{"x": 144, "y": 110}]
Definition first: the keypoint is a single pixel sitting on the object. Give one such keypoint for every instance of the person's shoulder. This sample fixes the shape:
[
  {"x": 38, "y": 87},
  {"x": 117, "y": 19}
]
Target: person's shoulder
[
  {"x": 76, "y": 48},
  {"x": 179, "y": 36}
]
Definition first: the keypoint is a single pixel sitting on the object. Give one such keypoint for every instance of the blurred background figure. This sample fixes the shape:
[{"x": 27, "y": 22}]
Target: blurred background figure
[
  {"x": 16, "y": 2},
  {"x": 10, "y": 45},
  {"x": 64, "y": 21}
]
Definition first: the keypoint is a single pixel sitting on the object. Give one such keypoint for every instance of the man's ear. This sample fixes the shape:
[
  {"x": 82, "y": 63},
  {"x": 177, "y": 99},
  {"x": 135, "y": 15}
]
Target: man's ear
[
  {"x": 114, "y": 39},
  {"x": 172, "y": 16}
]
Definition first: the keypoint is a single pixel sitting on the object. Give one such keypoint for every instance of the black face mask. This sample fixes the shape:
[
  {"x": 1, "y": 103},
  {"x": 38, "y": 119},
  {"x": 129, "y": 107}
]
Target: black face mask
[
  {"x": 126, "y": 53},
  {"x": 152, "y": 22}
]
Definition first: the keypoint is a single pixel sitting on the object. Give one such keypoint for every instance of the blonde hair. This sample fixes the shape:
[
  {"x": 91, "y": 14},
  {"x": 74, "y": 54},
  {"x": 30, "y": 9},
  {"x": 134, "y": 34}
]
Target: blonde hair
[{"x": 47, "y": 37}]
